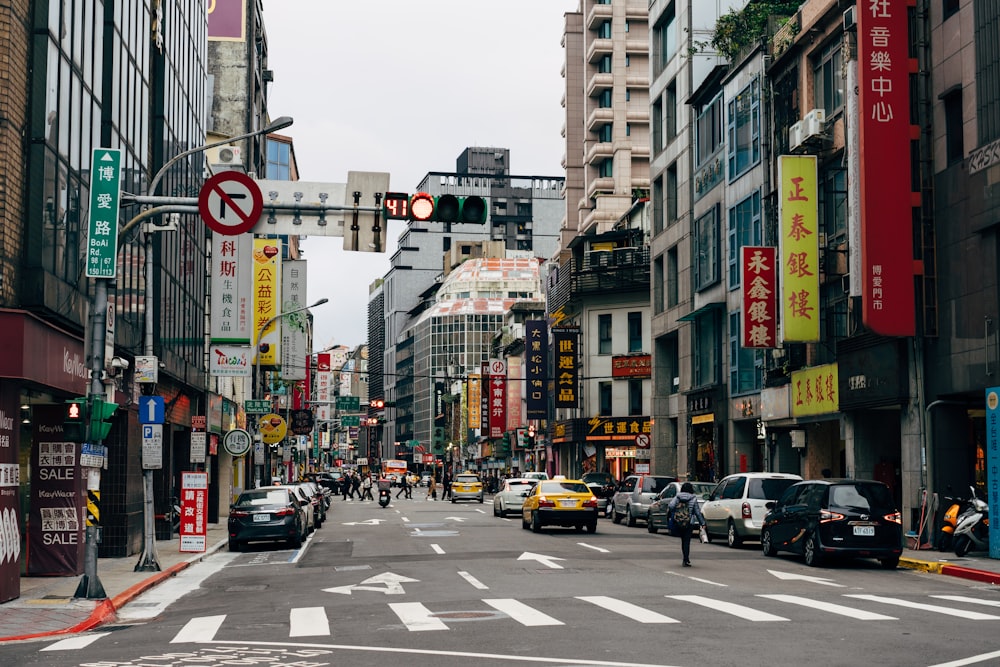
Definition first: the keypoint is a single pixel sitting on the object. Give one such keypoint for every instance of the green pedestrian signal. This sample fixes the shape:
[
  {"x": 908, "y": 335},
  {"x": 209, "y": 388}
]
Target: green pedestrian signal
[
  {"x": 101, "y": 413},
  {"x": 75, "y": 420}
]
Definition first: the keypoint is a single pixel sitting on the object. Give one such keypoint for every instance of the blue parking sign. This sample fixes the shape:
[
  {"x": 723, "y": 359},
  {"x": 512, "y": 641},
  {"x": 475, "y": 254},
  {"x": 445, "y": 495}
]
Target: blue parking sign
[{"x": 151, "y": 410}]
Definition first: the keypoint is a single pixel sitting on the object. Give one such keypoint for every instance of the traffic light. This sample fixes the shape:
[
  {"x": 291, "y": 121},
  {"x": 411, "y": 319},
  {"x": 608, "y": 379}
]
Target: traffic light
[
  {"x": 75, "y": 420},
  {"x": 505, "y": 441},
  {"x": 101, "y": 413},
  {"x": 437, "y": 443},
  {"x": 448, "y": 208},
  {"x": 377, "y": 404}
]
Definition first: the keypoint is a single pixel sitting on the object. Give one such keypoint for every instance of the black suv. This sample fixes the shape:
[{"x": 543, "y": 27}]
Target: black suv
[
  {"x": 603, "y": 486},
  {"x": 835, "y": 517}
]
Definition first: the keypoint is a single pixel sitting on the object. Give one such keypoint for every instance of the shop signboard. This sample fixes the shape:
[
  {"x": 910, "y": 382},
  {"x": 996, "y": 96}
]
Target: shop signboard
[
  {"x": 194, "y": 511},
  {"x": 10, "y": 507}
]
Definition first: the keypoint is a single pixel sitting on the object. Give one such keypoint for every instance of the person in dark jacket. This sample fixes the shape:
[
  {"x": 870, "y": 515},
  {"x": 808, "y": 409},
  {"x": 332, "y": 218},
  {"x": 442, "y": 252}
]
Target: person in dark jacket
[{"x": 686, "y": 497}]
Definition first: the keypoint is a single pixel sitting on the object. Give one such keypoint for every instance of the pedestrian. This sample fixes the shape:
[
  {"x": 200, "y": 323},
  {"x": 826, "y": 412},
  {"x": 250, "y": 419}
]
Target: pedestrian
[
  {"x": 404, "y": 486},
  {"x": 445, "y": 486},
  {"x": 686, "y": 517},
  {"x": 356, "y": 484},
  {"x": 345, "y": 484},
  {"x": 432, "y": 488},
  {"x": 366, "y": 487}
]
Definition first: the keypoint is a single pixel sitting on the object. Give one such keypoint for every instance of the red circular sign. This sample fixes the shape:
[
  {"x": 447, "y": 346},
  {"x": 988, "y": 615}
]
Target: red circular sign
[{"x": 230, "y": 203}]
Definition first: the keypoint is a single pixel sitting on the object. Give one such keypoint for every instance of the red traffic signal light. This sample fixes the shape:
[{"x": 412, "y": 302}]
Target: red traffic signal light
[
  {"x": 422, "y": 207},
  {"x": 377, "y": 404},
  {"x": 448, "y": 208}
]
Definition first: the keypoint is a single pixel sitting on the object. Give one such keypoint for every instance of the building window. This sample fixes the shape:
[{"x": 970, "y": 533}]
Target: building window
[
  {"x": 604, "y": 133},
  {"x": 706, "y": 249},
  {"x": 605, "y": 168},
  {"x": 746, "y": 364},
  {"x": 628, "y": 60},
  {"x": 628, "y": 129},
  {"x": 744, "y": 228},
  {"x": 671, "y": 194},
  {"x": 828, "y": 81},
  {"x": 670, "y": 108},
  {"x": 278, "y": 160},
  {"x": 833, "y": 205},
  {"x": 657, "y": 122},
  {"x": 635, "y": 398},
  {"x": 604, "y": 334},
  {"x": 659, "y": 285},
  {"x": 744, "y": 130},
  {"x": 672, "y": 277},
  {"x": 666, "y": 367},
  {"x": 949, "y": 8},
  {"x": 657, "y": 205},
  {"x": 709, "y": 131},
  {"x": 665, "y": 38},
  {"x": 708, "y": 347},
  {"x": 634, "y": 332},
  {"x": 604, "y": 30},
  {"x": 987, "y": 41},
  {"x": 954, "y": 146},
  {"x": 604, "y": 64},
  {"x": 604, "y": 99},
  {"x": 604, "y": 396}
]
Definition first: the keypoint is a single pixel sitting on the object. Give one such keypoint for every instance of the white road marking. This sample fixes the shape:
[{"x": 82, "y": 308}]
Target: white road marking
[
  {"x": 591, "y": 546},
  {"x": 627, "y": 609},
  {"x": 698, "y": 579},
  {"x": 199, "y": 629},
  {"x": 746, "y": 613},
  {"x": 963, "y": 598},
  {"x": 308, "y": 622},
  {"x": 971, "y": 660},
  {"x": 416, "y": 617},
  {"x": 472, "y": 580},
  {"x": 948, "y": 611},
  {"x": 521, "y": 612},
  {"x": 405, "y": 520},
  {"x": 153, "y": 602},
  {"x": 73, "y": 643},
  {"x": 859, "y": 614},
  {"x": 437, "y": 549}
]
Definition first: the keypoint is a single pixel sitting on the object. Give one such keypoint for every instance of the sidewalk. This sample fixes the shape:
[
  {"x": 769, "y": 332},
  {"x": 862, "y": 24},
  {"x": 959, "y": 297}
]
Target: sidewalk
[
  {"x": 977, "y": 567},
  {"x": 47, "y": 607}
]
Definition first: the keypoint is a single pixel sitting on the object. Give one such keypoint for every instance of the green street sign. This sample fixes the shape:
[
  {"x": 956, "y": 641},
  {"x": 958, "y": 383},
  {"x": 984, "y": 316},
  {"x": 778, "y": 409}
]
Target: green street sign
[
  {"x": 350, "y": 420},
  {"x": 257, "y": 407},
  {"x": 348, "y": 403},
  {"x": 102, "y": 229}
]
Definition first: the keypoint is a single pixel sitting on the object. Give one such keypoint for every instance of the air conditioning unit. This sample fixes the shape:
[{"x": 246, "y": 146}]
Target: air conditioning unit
[
  {"x": 814, "y": 124},
  {"x": 795, "y": 136},
  {"x": 229, "y": 156}
]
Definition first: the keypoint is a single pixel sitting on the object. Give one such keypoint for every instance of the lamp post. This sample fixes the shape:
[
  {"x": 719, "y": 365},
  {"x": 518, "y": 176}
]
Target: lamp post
[
  {"x": 256, "y": 362},
  {"x": 147, "y": 560}
]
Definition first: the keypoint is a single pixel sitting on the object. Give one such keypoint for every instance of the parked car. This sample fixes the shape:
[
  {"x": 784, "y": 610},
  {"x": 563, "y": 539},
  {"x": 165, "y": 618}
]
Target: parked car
[
  {"x": 510, "y": 497},
  {"x": 659, "y": 510},
  {"x": 535, "y": 475},
  {"x": 835, "y": 517},
  {"x": 270, "y": 513},
  {"x": 308, "y": 506},
  {"x": 634, "y": 496},
  {"x": 564, "y": 502},
  {"x": 466, "y": 486},
  {"x": 425, "y": 479},
  {"x": 603, "y": 486},
  {"x": 319, "y": 498},
  {"x": 737, "y": 506}
]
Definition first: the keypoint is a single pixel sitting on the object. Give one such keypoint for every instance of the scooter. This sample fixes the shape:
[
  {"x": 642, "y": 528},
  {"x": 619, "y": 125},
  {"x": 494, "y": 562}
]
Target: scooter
[
  {"x": 384, "y": 492},
  {"x": 972, "y": 533},
  {"x": 946, "y": 534}
]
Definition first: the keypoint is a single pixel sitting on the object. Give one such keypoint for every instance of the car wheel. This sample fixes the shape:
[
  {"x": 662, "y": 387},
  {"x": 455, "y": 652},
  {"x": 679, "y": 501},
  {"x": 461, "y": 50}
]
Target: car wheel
[
  {"x": 629, "y": 519},
  {"x": 296, "y": 541},
  {"x": 524, "y": 524},
  {"x": 615, "y": 517},
  {"x": 650, "y": 527},
  {"x": 578, "y": 527},
  {"x": 811, "y": 552},
  {"x": 765, "y": 543},
  {"x": 889, "y": 563},
  {"x": 592, "y": 527},
  {"x": 962, "y": 545},
  {"x": 536, "y": 523},
  {"x": 452, "y": 501},
  {"x": 732, "y": 537}
]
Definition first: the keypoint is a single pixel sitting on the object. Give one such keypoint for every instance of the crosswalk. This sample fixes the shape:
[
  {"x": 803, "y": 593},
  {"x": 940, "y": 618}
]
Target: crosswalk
[{"x": 314, "y": 622}]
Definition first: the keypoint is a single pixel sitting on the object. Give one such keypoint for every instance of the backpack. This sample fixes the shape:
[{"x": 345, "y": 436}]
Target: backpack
[{"x": 682, "y": 515}]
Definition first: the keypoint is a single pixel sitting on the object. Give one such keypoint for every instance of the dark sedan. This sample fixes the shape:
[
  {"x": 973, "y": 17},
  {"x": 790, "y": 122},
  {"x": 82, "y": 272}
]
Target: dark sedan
[
  {"x": 835, "y": 517},
  {"x": 270, "y": 513}
]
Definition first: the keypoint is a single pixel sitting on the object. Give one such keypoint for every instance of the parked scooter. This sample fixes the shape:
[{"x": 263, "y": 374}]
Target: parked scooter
[
  {"x": 972, "y": 533},
  {"x": 384, "y": 492},
  {"x": 946, "y": 534}
]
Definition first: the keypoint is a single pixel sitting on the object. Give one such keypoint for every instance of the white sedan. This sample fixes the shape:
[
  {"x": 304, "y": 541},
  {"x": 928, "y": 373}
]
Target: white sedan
[{"x": 510, "y": 497}]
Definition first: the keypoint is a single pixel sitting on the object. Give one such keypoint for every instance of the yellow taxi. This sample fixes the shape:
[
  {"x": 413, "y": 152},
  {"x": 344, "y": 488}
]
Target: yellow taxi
[
  {"x": 466, "y": 486},
  {"x": 560, "y": 502}
]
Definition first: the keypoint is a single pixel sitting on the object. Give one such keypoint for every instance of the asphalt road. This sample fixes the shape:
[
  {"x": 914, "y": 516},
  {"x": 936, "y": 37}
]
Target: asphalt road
[{"x": 440, "y": 584}]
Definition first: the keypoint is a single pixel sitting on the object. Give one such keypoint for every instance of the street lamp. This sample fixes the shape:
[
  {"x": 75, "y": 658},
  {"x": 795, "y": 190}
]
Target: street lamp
[
  {"x": 148, "y": 561},
  {"x": 256, "y": 361}
]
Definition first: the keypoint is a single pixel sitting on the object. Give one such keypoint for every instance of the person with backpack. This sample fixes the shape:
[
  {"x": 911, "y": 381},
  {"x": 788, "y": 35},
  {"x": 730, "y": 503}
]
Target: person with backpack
[{"x": 685, "y": 514}]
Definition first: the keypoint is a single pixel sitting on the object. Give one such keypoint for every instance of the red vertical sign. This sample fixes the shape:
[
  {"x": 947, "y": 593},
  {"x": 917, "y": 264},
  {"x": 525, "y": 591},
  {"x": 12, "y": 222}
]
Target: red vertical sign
[
  {"x": 886, "y": 204},
  {"x": 498, "y": 397},
  {"x": 759, "y": 297},
  {"x": 194, "y": 511}
]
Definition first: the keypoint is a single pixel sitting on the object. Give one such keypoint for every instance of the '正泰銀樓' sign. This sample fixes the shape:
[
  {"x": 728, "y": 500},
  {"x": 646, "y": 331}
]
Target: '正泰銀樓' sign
[{"x": 884, "y": 68}]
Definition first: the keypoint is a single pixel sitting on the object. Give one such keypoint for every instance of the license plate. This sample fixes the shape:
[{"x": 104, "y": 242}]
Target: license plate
[
  {"x": 260, "y": 518},
  {"x": 567, "y": 503},
  {"x": 864, "y": 531}
]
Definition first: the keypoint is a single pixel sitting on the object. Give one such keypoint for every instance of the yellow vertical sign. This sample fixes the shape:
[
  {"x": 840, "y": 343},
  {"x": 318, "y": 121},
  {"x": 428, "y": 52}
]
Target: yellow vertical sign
[
  {"x": 266, "y": 298},
  {"x": 475, "y": 400},
  {"x": 798, "y": 210}
]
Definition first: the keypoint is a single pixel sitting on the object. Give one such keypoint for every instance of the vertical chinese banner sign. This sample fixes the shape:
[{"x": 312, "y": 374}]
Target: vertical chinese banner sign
[
  {"x": 194, "y": 511},
  {"x": 484, "y": 411},
  {"x": 266, "y": 292},
  {"x": 565, "y": 341},
  {"x": 536, "y": 337},
  {"x": 10, "y": 506},
  {"x": 993, "y": 465},
  {"x": 760, "y": 291},
  {"x": 498, "y": 397},
  {"x": 232, "y": 304},
  {"x": 475, "y": 400},
  {"x": 514, "y": 394},
  {"x": 886, "y": 200},
  {"x": 798, "y": 211},
  {"x": 294, "y": 334}
]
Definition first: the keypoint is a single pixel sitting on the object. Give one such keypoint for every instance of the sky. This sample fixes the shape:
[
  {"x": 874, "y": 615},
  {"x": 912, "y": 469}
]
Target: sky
[{"x": 404, "y": 87}]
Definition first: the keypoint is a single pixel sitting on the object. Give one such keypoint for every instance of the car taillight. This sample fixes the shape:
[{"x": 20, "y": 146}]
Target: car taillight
[
  {"x": 826, "y": 516},
  {"x": 895, "y": 517},
  {"x": 238, "y": 513},
  {"x": 285, "y": 511},
  {"x": 590, "y": 502},
  {"x": 545, "y": 502},
  {"x": 746, "y": 511}
]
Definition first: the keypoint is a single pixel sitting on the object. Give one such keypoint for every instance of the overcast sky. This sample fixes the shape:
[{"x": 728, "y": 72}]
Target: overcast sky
[{"x": 404, "y": 87}]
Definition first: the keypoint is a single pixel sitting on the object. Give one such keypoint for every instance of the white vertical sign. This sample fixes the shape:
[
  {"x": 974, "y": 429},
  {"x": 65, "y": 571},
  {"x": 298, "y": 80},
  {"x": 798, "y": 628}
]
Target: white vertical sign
[
  {"x": 294, "y": 327},
  {"x": 232, "y": 289}
]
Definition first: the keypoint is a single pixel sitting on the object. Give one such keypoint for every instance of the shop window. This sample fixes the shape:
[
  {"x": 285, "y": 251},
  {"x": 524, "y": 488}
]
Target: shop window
[{"x": 634, "y": 332}]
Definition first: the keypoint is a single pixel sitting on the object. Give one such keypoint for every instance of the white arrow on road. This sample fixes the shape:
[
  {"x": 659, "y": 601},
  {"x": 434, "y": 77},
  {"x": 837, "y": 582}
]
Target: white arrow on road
[
  {"x": 369, "y": 522},
  {"x": 544, "y": 560},
  {"x": 392, "y": 585},
  {"x": 788, "y": 576},
  {"x": 455, "y": 518}
]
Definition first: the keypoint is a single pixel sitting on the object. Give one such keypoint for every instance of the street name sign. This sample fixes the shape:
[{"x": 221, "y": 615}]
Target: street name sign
[
  {"x": 230, "y": 203},
  {"x": 102, "y": 228},
  {"x": 257, "y": 406},
  {"x": 350, "y": 420}
]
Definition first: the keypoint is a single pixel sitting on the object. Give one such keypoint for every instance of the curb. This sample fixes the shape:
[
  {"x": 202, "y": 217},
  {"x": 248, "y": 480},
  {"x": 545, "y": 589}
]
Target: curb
[{"x": 969, "y": 573}]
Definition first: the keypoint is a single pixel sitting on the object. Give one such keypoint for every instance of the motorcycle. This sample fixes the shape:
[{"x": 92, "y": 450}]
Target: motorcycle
[
  {"x": 946, "y": 534},
  {"x": 972, "y": 532},
  {"x": 384, "y": 492}
]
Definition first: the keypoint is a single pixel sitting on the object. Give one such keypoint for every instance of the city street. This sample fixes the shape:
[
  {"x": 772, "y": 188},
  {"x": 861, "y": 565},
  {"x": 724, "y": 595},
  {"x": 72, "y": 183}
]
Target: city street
[{"x": 442, "y": 584}]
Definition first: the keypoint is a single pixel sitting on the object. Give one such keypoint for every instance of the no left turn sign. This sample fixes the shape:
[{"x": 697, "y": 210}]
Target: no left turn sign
[{"x": 230, "y": 203}]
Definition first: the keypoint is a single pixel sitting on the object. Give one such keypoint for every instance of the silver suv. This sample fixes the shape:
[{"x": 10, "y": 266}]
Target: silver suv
[
  {"x": 738, "y": 504},
  {"x": 634, "y": 496}
]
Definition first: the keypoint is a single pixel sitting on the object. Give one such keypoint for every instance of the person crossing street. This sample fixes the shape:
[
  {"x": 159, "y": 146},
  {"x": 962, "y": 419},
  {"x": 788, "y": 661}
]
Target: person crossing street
[{"x": 686, "y": 517}]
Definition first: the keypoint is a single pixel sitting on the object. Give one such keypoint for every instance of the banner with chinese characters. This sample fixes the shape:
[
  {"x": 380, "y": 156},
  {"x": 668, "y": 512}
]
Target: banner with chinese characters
[
  {"x": 815, "y": 391},
  {"x": 565, "y": 341},
  {"x": 798, "y": 212},
  {"x": 632, "y": 366},
  {"x": 514, "y": 394},
  {"x": 884, "y": 69},
  {"x": 10, "y": 484},
  {"x": 194, "y": 511},
  {"x": 760, "y": 292},
  {"x": 266, "y": 293},
  {"x": 294, "y": 327},
  {"x": 993, "y": 464},
  {"x": 475, "y": 400},
  {"x": 618, "y": 428},
  {"x": 536, "y": 368},
  {"x": 498, "y": 397},
  {"x": 232, "y": 284}
]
